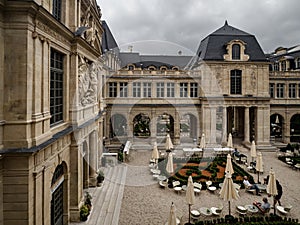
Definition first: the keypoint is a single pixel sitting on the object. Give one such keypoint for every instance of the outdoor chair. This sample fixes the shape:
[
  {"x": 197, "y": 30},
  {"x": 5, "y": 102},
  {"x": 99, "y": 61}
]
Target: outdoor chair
[
  {"x": 197, "y": 187},
  {"x": 216, "y": 211},
  {"x": 177, "y": 187}
]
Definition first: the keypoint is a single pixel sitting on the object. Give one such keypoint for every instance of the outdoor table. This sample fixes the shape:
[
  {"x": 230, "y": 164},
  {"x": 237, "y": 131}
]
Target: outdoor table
[
  {"x": 155, "y": 171},
  {"x": 251, "y": 208},
  {"x": 195, "y": 213},
  {"x": 262, "y": 187},
  {"x": 184, "y": 187},
  {"x": 155, "y": 176},
  {"x": 205, "y": 211},
  {"x": 162, "y": 178},
  {"x": 212, "y": 188},
  {"x": 178, "y": 189}
]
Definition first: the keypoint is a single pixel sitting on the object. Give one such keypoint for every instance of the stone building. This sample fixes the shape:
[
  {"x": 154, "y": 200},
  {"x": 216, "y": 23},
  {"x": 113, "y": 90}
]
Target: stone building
[
  {"x": 51, "y": 108},
  {"x": 223, "y": 89},
  {"x": 284, "y": 85}
]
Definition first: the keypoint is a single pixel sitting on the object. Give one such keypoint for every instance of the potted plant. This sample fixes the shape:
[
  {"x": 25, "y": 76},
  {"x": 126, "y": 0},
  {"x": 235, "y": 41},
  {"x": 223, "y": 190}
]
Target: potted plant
[
  {"x": 84, "y": 213},
  {"x": 100, "y": 177}
]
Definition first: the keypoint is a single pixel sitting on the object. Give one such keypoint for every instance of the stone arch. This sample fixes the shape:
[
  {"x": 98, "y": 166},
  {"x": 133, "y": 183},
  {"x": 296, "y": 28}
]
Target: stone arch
[
  {"x": 165, "y": 124},
  {"x": 141, "y": 125},
  {"x": 295, "y": 128},
  {"x": 59, "y": 195},
  {"x": 276, "y": 126},
  {"x": 118, "y": 125},
  {"x": 188, "y": 126}
]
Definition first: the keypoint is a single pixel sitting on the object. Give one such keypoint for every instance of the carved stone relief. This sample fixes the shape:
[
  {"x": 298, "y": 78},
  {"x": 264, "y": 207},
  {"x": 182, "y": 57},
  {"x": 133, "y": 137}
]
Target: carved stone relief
[{"x": 87, "y": 82}]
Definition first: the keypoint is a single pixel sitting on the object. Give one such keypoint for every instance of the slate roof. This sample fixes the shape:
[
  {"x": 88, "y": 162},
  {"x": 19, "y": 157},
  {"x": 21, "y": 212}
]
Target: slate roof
[
  {"x": 213, "y": 47},
  {"x": 155, "y": 60},
  {"x": 108, "y": 40}
]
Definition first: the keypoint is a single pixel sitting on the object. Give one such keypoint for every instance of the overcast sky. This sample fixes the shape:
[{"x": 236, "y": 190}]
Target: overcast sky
[{"x": 167, "y": 26}]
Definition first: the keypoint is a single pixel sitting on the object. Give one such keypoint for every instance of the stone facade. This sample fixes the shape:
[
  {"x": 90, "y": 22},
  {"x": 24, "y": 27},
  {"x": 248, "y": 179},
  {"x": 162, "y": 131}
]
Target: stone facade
[{"x": 51, "y": 108}]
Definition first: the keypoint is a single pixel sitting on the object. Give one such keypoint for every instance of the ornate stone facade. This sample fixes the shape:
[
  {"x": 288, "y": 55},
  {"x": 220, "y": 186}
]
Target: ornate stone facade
[{"x": 51, "y": 108}]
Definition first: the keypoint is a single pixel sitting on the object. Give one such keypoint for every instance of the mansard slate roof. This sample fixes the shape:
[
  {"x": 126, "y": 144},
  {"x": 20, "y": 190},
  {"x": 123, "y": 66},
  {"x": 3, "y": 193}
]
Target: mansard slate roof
[
  {"x": 155, "y": 60},
  {"x": 291, "y": 54},
  {"x": 108, "y": 40},
  {"x": 213, "y": 47}
]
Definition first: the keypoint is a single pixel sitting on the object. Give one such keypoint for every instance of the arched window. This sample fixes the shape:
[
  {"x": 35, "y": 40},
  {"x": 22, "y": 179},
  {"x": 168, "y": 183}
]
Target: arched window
[
  {"x": 235, "y": 82},
  {"x": 236, "y": 51}
]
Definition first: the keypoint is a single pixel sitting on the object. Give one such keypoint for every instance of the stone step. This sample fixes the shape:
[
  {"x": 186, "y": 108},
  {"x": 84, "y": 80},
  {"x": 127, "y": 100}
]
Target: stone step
[
  {"x": 118, "y": 187},
  {"x": 118, "y": 204}
]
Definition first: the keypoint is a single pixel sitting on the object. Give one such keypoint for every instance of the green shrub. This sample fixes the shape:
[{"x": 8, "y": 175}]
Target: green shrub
[{"x": 84, "y": 213}]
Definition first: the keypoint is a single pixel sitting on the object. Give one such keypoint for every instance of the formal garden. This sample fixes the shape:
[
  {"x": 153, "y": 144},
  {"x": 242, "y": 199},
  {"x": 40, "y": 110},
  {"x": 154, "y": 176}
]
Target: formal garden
[{"x": 203, "y": 170}]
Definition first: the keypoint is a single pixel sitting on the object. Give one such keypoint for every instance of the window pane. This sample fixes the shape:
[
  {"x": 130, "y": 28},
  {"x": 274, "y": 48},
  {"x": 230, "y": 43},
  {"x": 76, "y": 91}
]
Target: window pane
[
  {"x": 170, "y": 90},
  {"x": 236, "y": 82},
  {"x": 183, "y": 90},
  {"x": 56, "y": 87},
  {"x": 236, "y": 51}
]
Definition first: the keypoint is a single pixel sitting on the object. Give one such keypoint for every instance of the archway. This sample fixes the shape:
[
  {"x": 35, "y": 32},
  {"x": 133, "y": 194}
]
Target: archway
[
  {"x": 141, "y": 125},
  {"x": 118, "y": 125},
  {"x": 188, "y": 127},
  {"x": 57, "y": 198},
  {"x": 276, "y": 122},
  {"x": 165, "y": 125},
  {"x": 295, "y": 128}
]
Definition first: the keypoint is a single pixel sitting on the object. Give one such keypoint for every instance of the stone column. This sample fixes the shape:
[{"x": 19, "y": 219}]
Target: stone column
[
  {"x": 177, "y": 129},
  {"x": 213, "y": 120},
  {"x": 224, "y": 125},
  {"x": 246, "y": 126},
  {"x": 153, "y": 125},
  {"x": 92, "y": 159},
  {"x": 286, "y": 129}
]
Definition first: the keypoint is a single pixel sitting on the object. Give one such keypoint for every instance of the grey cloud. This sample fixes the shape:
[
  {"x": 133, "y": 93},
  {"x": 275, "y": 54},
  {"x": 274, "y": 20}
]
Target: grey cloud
[{"x": 274, "y": 23}]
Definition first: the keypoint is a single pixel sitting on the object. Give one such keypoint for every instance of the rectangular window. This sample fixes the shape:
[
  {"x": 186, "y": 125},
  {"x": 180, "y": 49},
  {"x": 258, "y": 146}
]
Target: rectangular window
[
  {"x": 170, "y": 90},
  {"x": 123, "y": 89},
  {"x": 193, "y": 90},
  {"x": 280, "y": 90},
  {"x": 292, "y": 90},
  {"x": 56, "y": 9},
  {"x": 147, "y": 90},
  {"x": 283, "y": 66},
  {"x": 56, "y": 87},
  {"x": 160, "y": 90},
  {"x": 298, "y": 90},
  {"x": 276, "y": 67},
  {"x": 297, "y": 63},
  {"x": 271, "y": 90},
  {"x": 236, "y": 82},
  {"x": 136, "y": 91},
  {"x": 112, "y": 89},
  {"x": 183, "y": 90}
]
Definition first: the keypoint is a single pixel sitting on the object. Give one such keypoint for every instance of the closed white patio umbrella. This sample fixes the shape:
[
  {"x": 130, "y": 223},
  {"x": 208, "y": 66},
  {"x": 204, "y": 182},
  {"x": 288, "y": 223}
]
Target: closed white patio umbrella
[
  {"x": 259, "y": 165},
  {"x": 228, "y": 191},
  {"x": 202, "y": 141},
  {"x": 253, "y": 150},
  {"x": 229, "y": 168},
  {"x": 172, "y": 215},
  {"x": 229, "y": 141},
  {"x": 155, "y": 154},
  {"x": 190, "y": 195},
  {"x": 271, "y": 187},
  {"x": 168, "y": 144},
  {"x": 170, "y": 166}
]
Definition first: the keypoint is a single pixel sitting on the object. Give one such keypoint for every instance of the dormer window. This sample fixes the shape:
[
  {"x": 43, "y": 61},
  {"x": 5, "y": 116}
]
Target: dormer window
[
  {"x": 297, "y": 63},
  {"x": 151, "y": 68},
  {"x": 175, "y": 68},
  {"x": 236, "y": 52},
  {"x": 163, "y": 68},
  {"x": 131, "y": 67}
]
